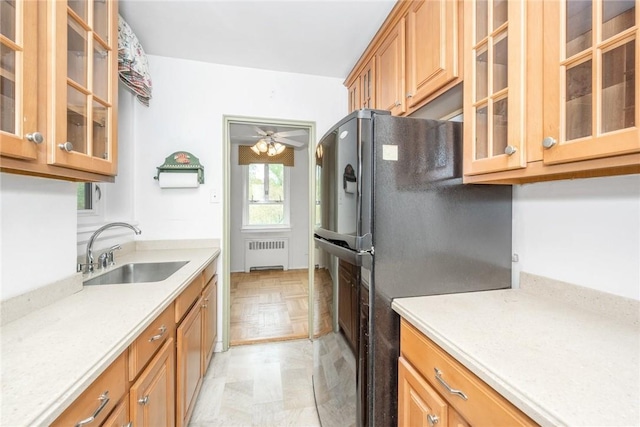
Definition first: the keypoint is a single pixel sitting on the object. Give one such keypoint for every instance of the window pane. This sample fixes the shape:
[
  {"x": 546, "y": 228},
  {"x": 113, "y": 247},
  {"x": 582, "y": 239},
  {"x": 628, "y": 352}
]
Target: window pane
[
  {"x": 266, "y": 214},
  {"x": 276, "y": 183},
  {"x": 579, "y": 26},
  {"x": 578, "y": 108},
  {"x": 84, "y": 196},
  {"x": 618, "y": 15},
  {"x": 618, "y": 88},
  {"x": 256, "y": 182}
]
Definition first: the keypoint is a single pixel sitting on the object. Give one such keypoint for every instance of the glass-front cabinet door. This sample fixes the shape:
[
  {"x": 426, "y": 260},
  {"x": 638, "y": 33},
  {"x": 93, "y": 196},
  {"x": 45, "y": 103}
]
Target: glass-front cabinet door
[
  {"x": 590, "y": 79},
  {"x": 18, "y": 74},
  {"x": 494, "y": 102},
  {"x": 84, "y": 67}
]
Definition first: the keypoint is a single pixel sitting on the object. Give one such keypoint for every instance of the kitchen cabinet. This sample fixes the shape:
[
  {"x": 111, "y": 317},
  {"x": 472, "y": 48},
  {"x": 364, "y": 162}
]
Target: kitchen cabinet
[
  {"x": 431, "y": 382},
  {"x": 432, "y": 47},
  {"x": 348, "y": 312},
  {"x": 590, "y": 71},
  {"x": 189, "y": 363},
  {"x": 150, "y": 341},
  {"x": 390, "y": 70},
  {"x": 18, "y": 71},
  {"x": 413, "y": 58},
  {"x": 96, "y": 403},
  {"x": 120, "y": 416},
  {"x": 209, "y": 321},
  {"x": 72, "y": 82},
  {"x": 152, "y": 398},
  {"x": 571, "y": 105}
]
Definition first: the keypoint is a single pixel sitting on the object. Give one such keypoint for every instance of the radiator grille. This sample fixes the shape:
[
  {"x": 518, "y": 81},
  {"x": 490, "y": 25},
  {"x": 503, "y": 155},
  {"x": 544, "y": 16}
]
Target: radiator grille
[{"x": 266, "y": 253}]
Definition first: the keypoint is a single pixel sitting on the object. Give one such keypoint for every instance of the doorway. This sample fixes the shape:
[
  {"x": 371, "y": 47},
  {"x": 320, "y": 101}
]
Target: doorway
[{"x": 267, "y": 250}]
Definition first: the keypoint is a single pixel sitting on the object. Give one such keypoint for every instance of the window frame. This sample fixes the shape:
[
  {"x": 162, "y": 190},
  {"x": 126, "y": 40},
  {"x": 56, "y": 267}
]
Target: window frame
[{"x": 286, "y": 225}]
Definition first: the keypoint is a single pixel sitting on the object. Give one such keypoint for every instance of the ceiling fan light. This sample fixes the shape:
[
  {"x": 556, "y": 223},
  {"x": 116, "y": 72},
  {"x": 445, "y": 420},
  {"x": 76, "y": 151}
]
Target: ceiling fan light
[
  {"x": 279, "y": 147},
  {"x": 272, "y": 150},
  {"x": 262, "y": 146},
  {"x": 255, "y": 149}
]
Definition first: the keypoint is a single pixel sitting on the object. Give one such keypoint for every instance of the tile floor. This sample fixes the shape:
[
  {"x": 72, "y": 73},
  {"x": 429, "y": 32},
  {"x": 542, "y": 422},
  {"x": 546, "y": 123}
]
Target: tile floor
[{"x": 259, "y": 385}]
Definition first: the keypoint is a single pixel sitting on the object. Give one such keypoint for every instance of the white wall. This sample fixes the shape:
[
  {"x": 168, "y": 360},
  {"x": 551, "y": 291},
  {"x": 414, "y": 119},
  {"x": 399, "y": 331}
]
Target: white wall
[
  {"x": 299, "y": 213},
  {"x": 37, "y": 233},
  {"x": 189, "y": 101},
  {"x": 585, "y": 232}
]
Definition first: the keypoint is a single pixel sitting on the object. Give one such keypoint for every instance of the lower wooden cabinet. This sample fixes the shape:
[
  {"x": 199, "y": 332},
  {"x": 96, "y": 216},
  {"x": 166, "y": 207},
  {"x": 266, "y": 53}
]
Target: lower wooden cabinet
[
  {"x": 152, "y": 395},
  {"x": 348, "y": 313},
  {"x": 120, "y": 416},
  {"x": 209, "y": 321},
  {"x": 418, "y": 403},
  {"x": 189, "y": 363},
  {"x": 424, "y": 369}
]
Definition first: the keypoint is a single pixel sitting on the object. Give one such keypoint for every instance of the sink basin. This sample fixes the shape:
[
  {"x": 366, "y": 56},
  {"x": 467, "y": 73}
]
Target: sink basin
[{"x": 138, "y": 273}]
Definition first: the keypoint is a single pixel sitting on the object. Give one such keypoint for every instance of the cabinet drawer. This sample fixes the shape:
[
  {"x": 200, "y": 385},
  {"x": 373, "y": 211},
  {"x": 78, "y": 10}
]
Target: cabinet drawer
[
  {"x": 484, "y": 406},
  {"x": 120, "y": 416},
  {"x": 96, "y": 403},
  {"x": 149, "y": 341},
  {"x": 210, "y": 271},
  {"x": 417, "y": 400},
  {"x": 186, "y": 299}
]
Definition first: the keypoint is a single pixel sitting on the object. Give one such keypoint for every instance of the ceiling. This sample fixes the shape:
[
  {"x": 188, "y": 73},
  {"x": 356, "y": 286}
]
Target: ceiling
[
  {"x": 318, "y": 37},
  {"x": 246, "y": 133}
]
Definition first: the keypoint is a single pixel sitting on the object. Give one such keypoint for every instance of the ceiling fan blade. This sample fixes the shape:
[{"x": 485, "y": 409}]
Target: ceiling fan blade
[
  {"x": 248, "y": 136},
  {"x": 298, "y": 132},
  {"x": 259, "y": 131},
  {"x": 291, "y": 142}
]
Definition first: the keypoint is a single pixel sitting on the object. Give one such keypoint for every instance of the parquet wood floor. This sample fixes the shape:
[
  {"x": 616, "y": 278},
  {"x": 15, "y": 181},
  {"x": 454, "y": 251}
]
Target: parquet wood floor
[{"x": 272, "y": 305}]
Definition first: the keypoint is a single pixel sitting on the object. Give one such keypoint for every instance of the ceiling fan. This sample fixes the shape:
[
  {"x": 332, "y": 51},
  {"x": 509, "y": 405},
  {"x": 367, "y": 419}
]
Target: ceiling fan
[{"x": 273, "y": 142}]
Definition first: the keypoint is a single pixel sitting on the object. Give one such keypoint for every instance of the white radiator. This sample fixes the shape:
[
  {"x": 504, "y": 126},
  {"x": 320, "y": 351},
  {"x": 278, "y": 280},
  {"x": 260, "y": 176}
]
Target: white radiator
[{"x": 266, "y": 253}]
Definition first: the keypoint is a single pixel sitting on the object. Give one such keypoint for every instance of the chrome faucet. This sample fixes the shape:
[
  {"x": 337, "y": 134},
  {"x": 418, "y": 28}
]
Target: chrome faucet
[{"x": 87, "y": 267}]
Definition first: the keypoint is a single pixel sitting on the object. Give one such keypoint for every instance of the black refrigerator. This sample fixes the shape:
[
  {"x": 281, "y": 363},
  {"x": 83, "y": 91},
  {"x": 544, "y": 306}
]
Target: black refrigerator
[{"x": 393, "y": 219}]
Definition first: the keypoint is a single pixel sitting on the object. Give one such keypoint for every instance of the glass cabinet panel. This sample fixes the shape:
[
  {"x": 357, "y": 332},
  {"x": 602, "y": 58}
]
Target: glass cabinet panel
[
  {"x": 579, "y": 26},
  {"x": 482, "y": 73},
  {"x": 100, "y": 71},
  {"x": 482, "y": 20},
  {"x": 8, "y": 19},
  {"x": 482, "y": 137},
  {"x": 99, "y": 131},
  {"x": 500, "y": 126},
  {"x": 101, "y": 19},
  {"x": 617, "y": 16},
  {"x": 77, "y": 119},
  {"x": 76, "y": 52},
  {"x": 7, "y": 89},
  {"x": 618, "y": 87},
  {"x": 500, "y": 12},
  {"x": 500, "y": 62},
  {"x": 79, "y": 7},
  {"x": 579, "y": 101}
]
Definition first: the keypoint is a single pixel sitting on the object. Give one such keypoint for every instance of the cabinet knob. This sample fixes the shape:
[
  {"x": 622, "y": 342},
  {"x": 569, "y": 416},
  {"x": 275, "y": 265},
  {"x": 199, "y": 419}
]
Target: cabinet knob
[
  {"x": 144, "y": 400},
  {"x": 409, "y": 95},
  {"x": 67, "y": 146},
  {"x": 432, "y": 419},
  {"x": 397, "y": 104},
  {"x": 509, "y": 150},
  {"x": 549, "y": 142},
  {"x": 35, "y": 137}
]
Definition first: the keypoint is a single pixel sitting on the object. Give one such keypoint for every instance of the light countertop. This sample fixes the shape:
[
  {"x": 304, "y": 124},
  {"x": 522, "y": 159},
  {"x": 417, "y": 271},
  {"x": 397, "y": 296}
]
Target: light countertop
[
  {"x": 563, "y": 355},
  {"x": 51, "y": 355}
]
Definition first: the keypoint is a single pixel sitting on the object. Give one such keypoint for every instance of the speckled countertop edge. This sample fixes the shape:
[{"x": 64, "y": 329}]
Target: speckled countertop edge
[
  {"x": 49, "y": 357},
  {"x": 466, "y": 325}
]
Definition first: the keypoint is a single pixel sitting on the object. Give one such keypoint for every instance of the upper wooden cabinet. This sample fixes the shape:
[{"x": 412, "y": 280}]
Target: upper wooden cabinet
[
  {"x": 413, "y": 58},
  {"x": 591, "y": 66},
  {"x": 494, "y": 96},
  {"x": 390, "y": 70},
  {"x": 432, "y": 47},
  {"x": 571, "y": 111},
  {"x": 59, "y": 79},
  {"x": 82, "y": 84},
  {"x": 18, "y": 71}
]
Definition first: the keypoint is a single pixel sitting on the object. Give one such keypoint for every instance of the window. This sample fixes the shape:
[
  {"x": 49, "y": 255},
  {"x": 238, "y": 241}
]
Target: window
[
  {"x": 266, "y": 203},
  {"x": 89, "y": 202}
]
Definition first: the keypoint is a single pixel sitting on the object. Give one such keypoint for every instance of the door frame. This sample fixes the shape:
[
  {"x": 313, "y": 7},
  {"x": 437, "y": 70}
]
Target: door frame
[{"x": 226, "y": 214}]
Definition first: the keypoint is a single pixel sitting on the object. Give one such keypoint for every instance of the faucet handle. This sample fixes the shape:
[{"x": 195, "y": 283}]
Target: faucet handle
[
  {"x": 102, "y": 260},
  {"x": 111, "y": 257}
]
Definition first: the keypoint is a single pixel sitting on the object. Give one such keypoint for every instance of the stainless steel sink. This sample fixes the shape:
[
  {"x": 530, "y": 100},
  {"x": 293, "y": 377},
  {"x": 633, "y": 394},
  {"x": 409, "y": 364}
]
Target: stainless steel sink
[{"x": 138, "y": 273}]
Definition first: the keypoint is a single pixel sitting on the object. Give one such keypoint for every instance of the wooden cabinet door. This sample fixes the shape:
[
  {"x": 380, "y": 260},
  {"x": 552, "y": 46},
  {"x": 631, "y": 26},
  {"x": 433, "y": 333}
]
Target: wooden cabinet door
[
  {"x": 189, "y": 363},
  {"x": 419, "y": 405},
  {"x": 18, "y": 77},
  {"x": 354, "y": 96},
  {"x": 432, "y": 47},
  {"x": 455, "y": 419},
  {"x": 368, "y": 85},
  {"x": 390, "y": 71},
  {"x": 120, "y": 416},
  {"x": 590, "y": 79},
  {"x": 209, "y": 322},
  {"x": 82, "y": 85},
  {"x": 151, "y": 397},
  {"x": 345, "y": 314},
  {"x": 494, "y": 88}
]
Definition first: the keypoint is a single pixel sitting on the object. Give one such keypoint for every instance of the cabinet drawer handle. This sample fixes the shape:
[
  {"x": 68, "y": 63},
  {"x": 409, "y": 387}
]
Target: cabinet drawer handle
[
  {"x": 104, "y": 400},
  {"x": 162, "y": 329},
  {"x": 144, "y": 400},
  {"x": 445, "y": 385},
  {"x": 129, "y": 424},
  {"x": 433, "y": 419}
]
